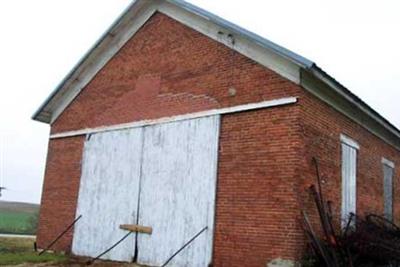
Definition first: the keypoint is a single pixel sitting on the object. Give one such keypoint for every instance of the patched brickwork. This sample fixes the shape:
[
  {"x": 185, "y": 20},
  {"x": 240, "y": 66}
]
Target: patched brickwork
[
  {"x": 168, "y": 69},
  {"x": 265, "y": 155}
]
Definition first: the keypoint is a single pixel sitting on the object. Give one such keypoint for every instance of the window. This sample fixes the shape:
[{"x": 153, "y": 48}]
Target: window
[
  {"x": 388, "y": 171},
  {"x": 349, "y": 177}
]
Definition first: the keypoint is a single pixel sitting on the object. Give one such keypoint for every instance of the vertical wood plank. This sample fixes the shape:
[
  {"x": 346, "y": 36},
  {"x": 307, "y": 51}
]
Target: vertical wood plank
[
  {"x": 349, "y": 181},
  {"x": 177, "y": 197},
  {"x": 388, "y": 191},
  {"x": 108, "y": 194}
]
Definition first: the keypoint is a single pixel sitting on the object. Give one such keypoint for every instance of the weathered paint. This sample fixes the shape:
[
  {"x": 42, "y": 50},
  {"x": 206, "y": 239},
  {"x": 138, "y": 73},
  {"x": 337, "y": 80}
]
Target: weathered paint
[
  {"x": 207, "y": 113},
  {"x": 349, "y": 181},
  {"x": 177, "y": 196},
  {"x": 162, "y": 176},
  {"x": 108, "y": 194},
  {"x": 388, "y": 172}
]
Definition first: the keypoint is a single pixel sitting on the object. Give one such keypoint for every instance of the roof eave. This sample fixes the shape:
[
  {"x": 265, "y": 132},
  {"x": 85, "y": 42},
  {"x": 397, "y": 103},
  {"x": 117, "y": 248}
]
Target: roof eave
[
  {"x": 45, "y": 112},
  {"x": 282, "y": 51},
  {"x": 322, "y": 85},
  {"x": 301, "y": 71},
  {"x": 42, "y": 114}
]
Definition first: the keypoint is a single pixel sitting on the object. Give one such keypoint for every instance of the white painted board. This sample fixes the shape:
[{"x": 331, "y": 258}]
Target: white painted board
[
  {"x": 177, "y": 196},
  {"x": 388, "y": 172},
  {"x": 108, "y": 194},
  {"x": 349, "y": 182}
]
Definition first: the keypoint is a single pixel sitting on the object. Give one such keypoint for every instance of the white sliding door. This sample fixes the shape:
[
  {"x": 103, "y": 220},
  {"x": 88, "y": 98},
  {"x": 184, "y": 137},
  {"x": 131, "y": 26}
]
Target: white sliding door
[
  {"x": 108, "y": 194},
  {"x": 177, "y": 195},
  {"x": 162, "y": 176}
]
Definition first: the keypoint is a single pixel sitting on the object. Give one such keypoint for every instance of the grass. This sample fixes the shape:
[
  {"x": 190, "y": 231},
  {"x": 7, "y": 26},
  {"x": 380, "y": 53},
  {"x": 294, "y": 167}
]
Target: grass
[
  {"x": 18, "y": 218},
  {"x": 14, "y": 251},
  {"x": 15, "y": 222}
]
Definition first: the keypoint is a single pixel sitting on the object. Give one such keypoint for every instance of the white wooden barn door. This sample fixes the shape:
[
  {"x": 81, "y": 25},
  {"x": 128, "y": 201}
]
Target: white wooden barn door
[
  {"x": 162, "y": 176},
  {"x": 108, "y": 194},
  {"x": 177, "y": 195}
]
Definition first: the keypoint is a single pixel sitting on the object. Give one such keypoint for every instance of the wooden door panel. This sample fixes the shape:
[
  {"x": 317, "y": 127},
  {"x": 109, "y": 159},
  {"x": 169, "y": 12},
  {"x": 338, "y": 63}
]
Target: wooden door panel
[
  {"x": 108, "y": 194},
  {"x": 177, "y": 195}
]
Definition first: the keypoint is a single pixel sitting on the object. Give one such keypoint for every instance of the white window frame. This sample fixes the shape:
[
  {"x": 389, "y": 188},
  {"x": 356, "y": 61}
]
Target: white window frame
[
  {"x": 349, "y": 157},
  {"x": 388, "y": 207}
]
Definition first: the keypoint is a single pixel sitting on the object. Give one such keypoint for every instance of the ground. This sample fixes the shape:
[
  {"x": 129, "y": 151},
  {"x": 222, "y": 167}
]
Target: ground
[
  {"x": 15, "y": 251},
  {"x": 19, "y": 252}
]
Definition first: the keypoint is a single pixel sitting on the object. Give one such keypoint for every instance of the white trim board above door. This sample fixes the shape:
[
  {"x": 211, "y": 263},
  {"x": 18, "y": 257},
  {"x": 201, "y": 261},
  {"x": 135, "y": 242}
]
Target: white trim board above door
[{"x": 201, "y": 114}]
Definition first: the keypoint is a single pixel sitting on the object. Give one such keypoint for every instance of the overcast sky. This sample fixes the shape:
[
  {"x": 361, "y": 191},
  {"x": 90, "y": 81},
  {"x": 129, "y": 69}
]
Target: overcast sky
[{"x": 357, "y": 42}]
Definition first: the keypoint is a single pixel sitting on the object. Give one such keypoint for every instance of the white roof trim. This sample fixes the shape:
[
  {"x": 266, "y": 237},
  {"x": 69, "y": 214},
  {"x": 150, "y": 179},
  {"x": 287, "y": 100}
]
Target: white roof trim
[
  {"x": 100, "y": 56},
  {"x": 349, "y": 141},
  {"x": 268, "y": 58},
  {"x": 286, "y": 63},
  {"x": 212, "y": 112},
  {"x": 132, "y": 20},
  {"x": 388, "y": 163},
  {"x": 335, "y": 95}
]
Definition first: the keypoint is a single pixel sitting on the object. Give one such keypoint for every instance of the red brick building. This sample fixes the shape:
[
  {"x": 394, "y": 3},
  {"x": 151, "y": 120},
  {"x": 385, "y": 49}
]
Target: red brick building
[{"x": 179, "y": 120}]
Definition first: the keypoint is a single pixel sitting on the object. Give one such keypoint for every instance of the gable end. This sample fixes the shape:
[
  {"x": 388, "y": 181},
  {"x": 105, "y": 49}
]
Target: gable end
[{"x": 289, "y": 65}]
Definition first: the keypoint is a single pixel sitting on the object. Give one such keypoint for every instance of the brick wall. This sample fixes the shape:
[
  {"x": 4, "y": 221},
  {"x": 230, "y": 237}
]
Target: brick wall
[
  {"x": 257, "y": 205},
  {"x": 168, "y": 69},
  {"x": 60, "y": 191},
  {"x": 264, "y": 162},
  {"x": 321, "y": 129}
]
